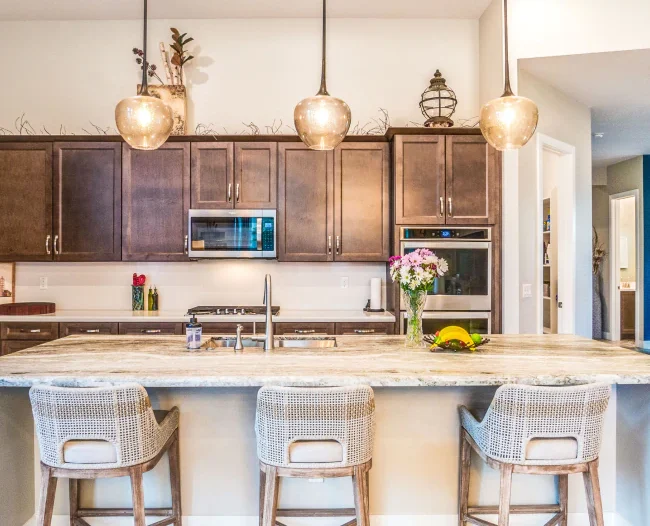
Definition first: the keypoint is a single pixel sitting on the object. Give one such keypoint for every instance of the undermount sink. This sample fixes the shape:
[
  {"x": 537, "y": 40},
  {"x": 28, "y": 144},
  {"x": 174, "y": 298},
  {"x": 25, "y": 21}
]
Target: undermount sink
[{"x": 305, "y": 343}]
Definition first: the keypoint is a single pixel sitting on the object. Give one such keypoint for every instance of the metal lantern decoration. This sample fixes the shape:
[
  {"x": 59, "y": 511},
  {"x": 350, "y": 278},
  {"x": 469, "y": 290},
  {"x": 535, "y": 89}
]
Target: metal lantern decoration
[{"x": 438, "y": 103}]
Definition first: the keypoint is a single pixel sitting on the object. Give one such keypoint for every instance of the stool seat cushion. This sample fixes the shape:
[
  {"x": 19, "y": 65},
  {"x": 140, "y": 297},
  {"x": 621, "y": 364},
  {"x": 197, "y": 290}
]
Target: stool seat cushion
[
  {"x": 552, "y": 449},
  {"x": 315, "y": 451},
  {"x": 89, "y": 452}
]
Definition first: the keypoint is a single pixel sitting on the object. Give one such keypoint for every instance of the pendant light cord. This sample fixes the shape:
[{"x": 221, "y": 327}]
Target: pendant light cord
[
  {"x": 323, "y": 84},
  {"x": 144, "y": 90},
  {"x": 507, "y": 90}
]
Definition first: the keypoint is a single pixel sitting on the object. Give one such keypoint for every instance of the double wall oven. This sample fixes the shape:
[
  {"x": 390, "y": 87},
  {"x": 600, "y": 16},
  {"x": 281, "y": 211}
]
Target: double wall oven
[{"x": 463, "y": 296}]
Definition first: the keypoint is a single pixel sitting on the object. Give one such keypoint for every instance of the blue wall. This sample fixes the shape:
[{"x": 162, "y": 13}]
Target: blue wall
[{"x": 646, "y": 247}]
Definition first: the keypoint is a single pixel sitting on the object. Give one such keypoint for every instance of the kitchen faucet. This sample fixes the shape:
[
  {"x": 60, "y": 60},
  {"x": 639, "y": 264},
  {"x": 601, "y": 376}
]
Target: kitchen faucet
[{"x": 268, "y": 336}]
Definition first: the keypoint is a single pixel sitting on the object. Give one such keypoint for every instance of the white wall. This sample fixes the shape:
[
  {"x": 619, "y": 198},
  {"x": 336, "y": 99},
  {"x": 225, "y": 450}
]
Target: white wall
[
  {"x": 252, "y": 70},
  {"x": 568, "y": 121},
  {"x": 627, "y": 228}
]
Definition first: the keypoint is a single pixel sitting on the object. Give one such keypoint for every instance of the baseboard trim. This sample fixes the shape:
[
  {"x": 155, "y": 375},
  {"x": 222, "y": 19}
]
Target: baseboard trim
[{"x": 575, "y": 519}]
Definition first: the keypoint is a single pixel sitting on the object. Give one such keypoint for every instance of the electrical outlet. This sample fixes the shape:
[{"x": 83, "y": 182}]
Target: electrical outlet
[
  {"x": 43, "y": 283},
  {"x": 345, "y": 283},
  {"x": 527, "y": 290}
]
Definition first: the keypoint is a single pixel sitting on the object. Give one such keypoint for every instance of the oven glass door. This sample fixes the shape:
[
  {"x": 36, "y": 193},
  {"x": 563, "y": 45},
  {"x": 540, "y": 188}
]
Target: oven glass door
[
  {"x": 231, "y": 236},
  {"x": 472, "y": 322},
  {"x": 467, "y": 284}
]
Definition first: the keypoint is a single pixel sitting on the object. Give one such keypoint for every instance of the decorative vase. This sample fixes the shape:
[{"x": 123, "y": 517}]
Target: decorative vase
[
  {"x": 137, "y": 297},
  {"x": 597, "y": 310},
  {"x": 414, "y": 301},
  {"x": 175, "y": 96}
]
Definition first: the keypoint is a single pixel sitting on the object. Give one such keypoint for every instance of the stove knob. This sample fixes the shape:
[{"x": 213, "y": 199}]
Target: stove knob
[
  {"x": 218, "y": 311},
  {"x": 242, "y": 311},
  {"x": 226, "y": 311}
]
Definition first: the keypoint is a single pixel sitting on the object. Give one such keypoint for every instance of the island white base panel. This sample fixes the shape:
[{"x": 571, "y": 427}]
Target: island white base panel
[
  {"x": 575, "y": 519},
  {"x": 413, "y": 480}
]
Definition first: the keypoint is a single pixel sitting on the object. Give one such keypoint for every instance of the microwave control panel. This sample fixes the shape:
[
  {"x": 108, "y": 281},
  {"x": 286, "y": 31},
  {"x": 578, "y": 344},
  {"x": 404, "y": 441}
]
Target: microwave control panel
[{"x": 268, "y": 234}]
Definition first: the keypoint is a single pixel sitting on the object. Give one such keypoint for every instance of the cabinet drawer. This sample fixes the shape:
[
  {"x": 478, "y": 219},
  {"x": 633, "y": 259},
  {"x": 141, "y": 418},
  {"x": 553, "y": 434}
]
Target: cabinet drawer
[
  {"x": 66, "y": 329},
  {"x": 351, "y": 328},
  {"x": 10, "y": 346},
  {"x": 29, "y": 331},
  {"x": 231, "y": 328},
  {"x": 151, "y": 328},
  {"x": 307, "y": 329}
]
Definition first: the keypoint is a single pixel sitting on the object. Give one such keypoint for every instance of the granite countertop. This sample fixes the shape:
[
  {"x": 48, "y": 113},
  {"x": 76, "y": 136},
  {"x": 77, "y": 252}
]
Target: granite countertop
[
  {"x": 124, "y": 316},
  {"x": 161, "y": 361}
]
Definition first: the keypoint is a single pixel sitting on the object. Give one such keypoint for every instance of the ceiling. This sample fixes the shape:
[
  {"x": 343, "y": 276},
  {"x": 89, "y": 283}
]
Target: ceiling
[
  {"x": 190, "y": 9},
  {"x": 616, "y": 86}
]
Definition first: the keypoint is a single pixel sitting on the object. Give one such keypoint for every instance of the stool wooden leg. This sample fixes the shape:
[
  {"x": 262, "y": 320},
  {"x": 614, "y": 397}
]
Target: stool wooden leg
[
  {"x": 592, "y": 488},
  {"x": 504, "y": 494},
  {"x": 563, "y": 491},
  {"x": 361, "y": 499},
  {"x": 464, "y": 462},
  {"x": 137, "y": 492},
  {"x": 48, "y": 490},
  {"x": 270, "y": 496},
  {"x": 175, "y": 480},
  {"x": 73, "y": 485},
  {"x": 262, "y": 486}
]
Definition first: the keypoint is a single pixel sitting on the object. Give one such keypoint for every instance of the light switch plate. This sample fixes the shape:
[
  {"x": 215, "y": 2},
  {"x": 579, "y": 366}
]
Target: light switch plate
[
  {"x": 527, "y": 290},
  {"x": 345, "y": 283},
  {"x": 43, "y": 283}
]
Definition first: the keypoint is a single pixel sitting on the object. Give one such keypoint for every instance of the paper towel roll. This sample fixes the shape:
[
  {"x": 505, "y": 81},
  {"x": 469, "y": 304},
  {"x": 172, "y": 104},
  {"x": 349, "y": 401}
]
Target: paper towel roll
[{"x": 375, "y": 293}]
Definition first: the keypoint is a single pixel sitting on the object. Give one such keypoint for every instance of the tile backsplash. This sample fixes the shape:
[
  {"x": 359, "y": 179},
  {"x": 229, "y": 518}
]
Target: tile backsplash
[{"x": 301, "y": 286}]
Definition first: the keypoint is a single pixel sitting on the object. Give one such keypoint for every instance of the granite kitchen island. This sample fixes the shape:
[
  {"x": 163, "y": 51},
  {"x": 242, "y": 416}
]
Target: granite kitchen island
[{"x": 413, "y": 480}]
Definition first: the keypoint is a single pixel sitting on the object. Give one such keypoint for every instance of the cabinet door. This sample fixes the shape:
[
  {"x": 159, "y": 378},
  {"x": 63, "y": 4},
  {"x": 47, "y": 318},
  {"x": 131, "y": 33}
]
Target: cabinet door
[
  {"x": 419, "y": 180},
  {"x": 362, "y": 210},
  {"x": 256, "y": 175},
  {"x": 472, "y": 181},
  {"x": 87, "y": 201},
  {"x": 69, "y": 328},
  {"x": 212, "y": 175},
  {"x": 305, "y": 204},
  {"x": 29, "y": 331},
  {"x": 25, "y": 202},
  {"x": 155, "y": 203}
]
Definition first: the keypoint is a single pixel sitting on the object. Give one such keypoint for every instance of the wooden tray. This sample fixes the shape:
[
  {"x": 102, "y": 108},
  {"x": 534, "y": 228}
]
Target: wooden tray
[{"x": 27, "y": 309}]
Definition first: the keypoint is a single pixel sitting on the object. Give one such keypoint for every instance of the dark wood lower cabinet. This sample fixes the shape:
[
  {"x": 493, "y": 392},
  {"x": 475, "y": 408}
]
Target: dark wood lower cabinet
[
  {"x": 11, "y": 346},
  {"x": 305, "y": 329},
  {"x": 67, "y": 329},
  {"x": 163, "y": 329},
  {"x": 29, "y": 331}
]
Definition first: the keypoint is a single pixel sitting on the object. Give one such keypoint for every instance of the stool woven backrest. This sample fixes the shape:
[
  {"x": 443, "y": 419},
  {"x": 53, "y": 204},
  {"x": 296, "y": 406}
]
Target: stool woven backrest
[
  {"x": 119, "y": 414},
  {"x": 519, "y": 413},
  {"x": 286, "y": 415}
]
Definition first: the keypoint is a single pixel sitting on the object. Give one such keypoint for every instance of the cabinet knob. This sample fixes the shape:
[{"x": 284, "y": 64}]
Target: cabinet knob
[
  {"x": 329, "y": 244},
  {"x": 237, "y": 192},
  {"x": 364, "y": 331},
  {"x": 90, "y": 331},
  {"x": 450, "y": 207},
  {"x": 151, "y": 331},
  {"x": 304, "y": 331},
  {"x": 229, "y": 192},
  {"x": 47, "y": 244},
  {"x": 186, "y": 244},
  {"x": 56, "y": 242},
  {"x": 338, "y": 244},
  {"x": 442, "y": 206}
]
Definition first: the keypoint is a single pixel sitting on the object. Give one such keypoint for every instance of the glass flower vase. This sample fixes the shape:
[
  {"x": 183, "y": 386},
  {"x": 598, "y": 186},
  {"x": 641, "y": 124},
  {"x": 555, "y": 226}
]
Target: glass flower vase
[{"x": 414, "y": 301}]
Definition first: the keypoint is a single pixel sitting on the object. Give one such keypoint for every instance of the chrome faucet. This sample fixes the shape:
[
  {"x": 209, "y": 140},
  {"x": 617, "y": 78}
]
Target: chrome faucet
[{"x": 268, "y": 336}]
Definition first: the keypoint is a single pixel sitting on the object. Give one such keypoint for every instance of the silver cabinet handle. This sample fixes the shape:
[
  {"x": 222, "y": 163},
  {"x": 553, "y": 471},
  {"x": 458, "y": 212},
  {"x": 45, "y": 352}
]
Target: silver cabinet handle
[
  {"x": 364, "y": 331},
  {"x": 442, "y": 207},
  {"x": 32, "y": 331},
  {"x": 329, "y": 244},
  {"x": 47, "y": 245},
  {"x": 186, "y": 244},
  {"x": 229, "y": 192},
  {"x": 237, "y": 192},
  {"x": 151, "y": 331},
  {"x": 56, "y": 242},
  {"x": 89, "y": 331},
  {"x": 449, "y": 206},
  {"x": 338, "y": 244},
  {"x": 304, "y": 331}
]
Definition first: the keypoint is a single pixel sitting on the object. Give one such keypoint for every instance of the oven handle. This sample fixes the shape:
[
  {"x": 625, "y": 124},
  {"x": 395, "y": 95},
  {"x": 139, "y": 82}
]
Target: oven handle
[{"x": 445, "y": 244}]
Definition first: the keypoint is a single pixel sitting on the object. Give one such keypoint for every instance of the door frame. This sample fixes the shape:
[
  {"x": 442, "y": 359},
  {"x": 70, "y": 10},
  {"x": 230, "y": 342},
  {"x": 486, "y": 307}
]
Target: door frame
[
  {"x": 566, "y": 239},
  {"x": 615, "y": 271}
]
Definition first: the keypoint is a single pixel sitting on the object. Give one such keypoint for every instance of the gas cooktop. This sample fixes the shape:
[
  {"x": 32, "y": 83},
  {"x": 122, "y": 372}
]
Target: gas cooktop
[{"x": 239, "y": 310}]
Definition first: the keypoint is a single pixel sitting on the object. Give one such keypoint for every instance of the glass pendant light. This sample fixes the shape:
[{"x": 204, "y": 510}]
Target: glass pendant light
[
  {"x": 508, "y": 122},
  {"x": 322, "y": 121},
  {"x": 144, "y": 121}
]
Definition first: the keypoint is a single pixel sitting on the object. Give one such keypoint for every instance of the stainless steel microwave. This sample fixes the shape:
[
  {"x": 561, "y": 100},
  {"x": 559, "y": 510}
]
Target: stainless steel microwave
[{"x": 232, "y": 234}]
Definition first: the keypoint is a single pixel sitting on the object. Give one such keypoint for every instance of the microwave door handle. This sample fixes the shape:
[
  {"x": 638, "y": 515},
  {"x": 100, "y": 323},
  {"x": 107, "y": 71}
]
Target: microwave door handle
[{"x": 259, "y": 234}]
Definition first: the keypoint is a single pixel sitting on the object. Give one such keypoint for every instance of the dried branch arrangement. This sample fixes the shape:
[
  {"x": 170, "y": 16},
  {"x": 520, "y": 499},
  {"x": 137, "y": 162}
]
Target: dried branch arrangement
[
  {"x": 173, "y": 60},
  {"x": 22, "y": 126}
]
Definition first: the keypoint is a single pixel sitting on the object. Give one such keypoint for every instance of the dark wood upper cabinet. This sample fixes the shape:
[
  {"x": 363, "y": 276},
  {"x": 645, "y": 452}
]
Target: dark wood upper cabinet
[
  {"x": 420, "y": 179},
  {"x": 26, "y": 201},
  {"x": 87, "y": 201},
  {"x": 305, "y": 204},
  {"x": 472, "y": 180},
  {"x": 212, "y": 175},
  {"x": 155, "y": 203},
  {"x": 256, "y": 175},
  {"x": 361, "y": 202}
]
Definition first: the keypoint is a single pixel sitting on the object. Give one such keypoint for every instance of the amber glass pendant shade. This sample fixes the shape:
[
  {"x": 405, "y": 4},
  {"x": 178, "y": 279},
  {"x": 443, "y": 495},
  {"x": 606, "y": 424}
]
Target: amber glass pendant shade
[
  {"x": 509, "y": 122},
  {"x": 322, "y": 121},
  {"x": 145, "y": 122}
]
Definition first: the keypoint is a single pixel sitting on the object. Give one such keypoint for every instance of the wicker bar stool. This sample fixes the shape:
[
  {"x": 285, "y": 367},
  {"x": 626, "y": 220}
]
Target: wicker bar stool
[
  {"x": 103, "y": 432},
  {"x": 314, "y": 433},
  {"x": 540, "y": 431}
]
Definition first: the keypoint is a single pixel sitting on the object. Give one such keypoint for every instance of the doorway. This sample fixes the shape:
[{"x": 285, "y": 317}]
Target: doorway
[
  {"x": 625, "y": 267},
  {"x": 555, "y": 283}
]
